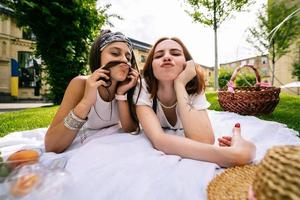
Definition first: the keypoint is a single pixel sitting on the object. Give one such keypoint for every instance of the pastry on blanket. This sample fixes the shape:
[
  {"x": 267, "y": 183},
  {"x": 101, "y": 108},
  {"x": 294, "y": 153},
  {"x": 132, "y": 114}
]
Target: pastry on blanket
[
  {"x": 25, "y": 156},
  {"x": 24, "y": 184}
]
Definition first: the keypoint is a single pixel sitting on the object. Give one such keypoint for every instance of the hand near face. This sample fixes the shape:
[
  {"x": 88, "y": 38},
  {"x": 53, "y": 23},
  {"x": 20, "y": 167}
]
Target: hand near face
[
  {"x": 187, "y": 74},
  {"x": 92, "y": 83},
  {"x": 129, "y": 83}
]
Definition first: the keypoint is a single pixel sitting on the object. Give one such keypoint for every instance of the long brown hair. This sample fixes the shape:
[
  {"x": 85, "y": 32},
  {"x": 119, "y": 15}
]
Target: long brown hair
[
  {"x": 196, "y": 85},
  {"x": 95, "y": 62}
]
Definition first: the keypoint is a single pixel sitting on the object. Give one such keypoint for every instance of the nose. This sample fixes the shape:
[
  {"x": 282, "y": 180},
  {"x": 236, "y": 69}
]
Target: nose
[
  {"x": 124, "y": 59},
  {"x": 167, "y": 58}
]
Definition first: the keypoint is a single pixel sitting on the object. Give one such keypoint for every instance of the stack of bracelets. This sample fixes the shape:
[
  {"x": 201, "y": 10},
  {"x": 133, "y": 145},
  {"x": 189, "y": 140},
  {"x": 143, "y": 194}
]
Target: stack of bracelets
[{"x": 72, "y": 122}]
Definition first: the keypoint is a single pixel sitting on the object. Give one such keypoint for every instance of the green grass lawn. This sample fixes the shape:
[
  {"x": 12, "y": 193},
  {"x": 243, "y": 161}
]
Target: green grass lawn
[
  {"x": 287, "y": 112},
  {"x": 26, "y": 119}
]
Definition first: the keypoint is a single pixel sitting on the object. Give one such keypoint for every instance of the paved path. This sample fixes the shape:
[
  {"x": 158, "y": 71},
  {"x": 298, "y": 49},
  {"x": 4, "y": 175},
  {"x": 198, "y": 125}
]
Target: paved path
[{"x": 8, "y": 107}]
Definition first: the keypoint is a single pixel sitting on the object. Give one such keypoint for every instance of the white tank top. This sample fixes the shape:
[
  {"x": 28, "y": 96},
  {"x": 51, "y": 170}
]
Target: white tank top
[{"x": 102, "y": 114}]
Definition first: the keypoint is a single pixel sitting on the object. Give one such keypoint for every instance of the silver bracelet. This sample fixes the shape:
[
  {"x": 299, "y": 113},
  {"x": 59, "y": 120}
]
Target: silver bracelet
[{"x": 72, "y": 122}]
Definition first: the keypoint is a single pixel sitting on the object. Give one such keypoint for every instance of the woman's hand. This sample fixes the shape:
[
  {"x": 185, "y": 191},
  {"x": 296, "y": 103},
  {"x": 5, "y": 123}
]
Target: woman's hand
[
  {"x": 187, "y": 74},
  {"x": 243, "y": 151},
  {"x": 129, "y": 83},
  {"x": 225, "y": 141},
  {"x": 91, "y": 85}
]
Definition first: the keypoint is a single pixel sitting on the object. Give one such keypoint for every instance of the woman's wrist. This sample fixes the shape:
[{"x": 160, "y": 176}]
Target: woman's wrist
[
  {"x": 82, "y": 109},
  {"x": 179, "y": 83},
  {"x": 179, "y": 86},
  {"x": 121, "y": 97}
]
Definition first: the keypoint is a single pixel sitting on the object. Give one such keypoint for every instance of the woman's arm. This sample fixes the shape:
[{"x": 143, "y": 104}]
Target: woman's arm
[
  {"x": 80, "y": 96},
  {"x": 59, "y": 137},
  {"x": 196, "y": 123},
  {"x": 241, "y": 152},
  {"x": 126, "y": 120},
  {"x": 127, "y": 123}
]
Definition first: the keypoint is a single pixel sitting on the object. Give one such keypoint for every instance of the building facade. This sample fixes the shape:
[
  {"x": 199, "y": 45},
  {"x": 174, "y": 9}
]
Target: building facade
[
  {"x": 208, "y": 75},
  {"x": 16, "y": 51},
  {"x": 141, "y": 50},
  {"x": 20, "y": 74},
  {"x": 259, "y": 62}
]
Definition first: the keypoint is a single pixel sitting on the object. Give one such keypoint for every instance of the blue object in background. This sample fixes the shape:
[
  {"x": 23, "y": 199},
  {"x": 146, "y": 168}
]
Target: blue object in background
[{"x": 14, "y": 68}]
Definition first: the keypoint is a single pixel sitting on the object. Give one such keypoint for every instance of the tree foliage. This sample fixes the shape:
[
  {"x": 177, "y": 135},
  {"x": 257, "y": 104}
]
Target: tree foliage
[
  {"x": 213, "y": 13},
  {"x": 203, "y": 10},
  {"x": 296, "y": 70},
  {"x": 64, "y": 31},
  {"x": 274, "y": 34}
]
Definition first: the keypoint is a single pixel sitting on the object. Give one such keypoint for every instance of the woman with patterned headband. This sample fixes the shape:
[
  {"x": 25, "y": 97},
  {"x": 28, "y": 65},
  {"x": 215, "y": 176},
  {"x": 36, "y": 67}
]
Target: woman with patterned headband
[
  {"x": 101, "y": 99},
  {"x": 172, "y": 100}
]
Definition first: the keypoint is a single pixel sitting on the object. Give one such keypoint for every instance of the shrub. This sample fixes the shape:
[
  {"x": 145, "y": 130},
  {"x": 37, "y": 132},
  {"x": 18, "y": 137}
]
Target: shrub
[
  {"x": 224, "y": 76},
  {"x": 242, "y": 80},
  {"x": 245, "y": 80}
]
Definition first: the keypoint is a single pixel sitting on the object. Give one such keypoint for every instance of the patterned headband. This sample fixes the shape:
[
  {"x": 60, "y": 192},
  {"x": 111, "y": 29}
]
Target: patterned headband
[{"x": 114, "y": 37}]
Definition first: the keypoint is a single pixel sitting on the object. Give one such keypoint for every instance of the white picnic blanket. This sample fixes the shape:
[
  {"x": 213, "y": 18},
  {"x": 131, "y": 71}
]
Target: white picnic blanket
[{"x": 115, "y": 165}]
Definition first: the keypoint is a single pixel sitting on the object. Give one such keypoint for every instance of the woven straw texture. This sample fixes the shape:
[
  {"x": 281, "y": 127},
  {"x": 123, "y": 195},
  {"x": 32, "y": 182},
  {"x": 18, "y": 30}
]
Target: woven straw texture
[
  {"x": 253, "y": 100},
  {"x": 232, "y": 184},
  {"x": 277, "y": 177}
]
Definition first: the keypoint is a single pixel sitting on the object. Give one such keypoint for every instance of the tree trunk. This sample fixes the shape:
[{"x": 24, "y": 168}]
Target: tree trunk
[
  {"x": 273, "y": 62},
  {"x": 216, "y": 47}
]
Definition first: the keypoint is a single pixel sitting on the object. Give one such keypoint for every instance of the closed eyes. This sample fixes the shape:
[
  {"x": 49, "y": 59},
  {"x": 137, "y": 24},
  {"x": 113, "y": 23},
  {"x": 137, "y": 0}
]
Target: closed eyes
[
  {"x": 117, "y": 53},
  {"x": 173, "y": 52}
]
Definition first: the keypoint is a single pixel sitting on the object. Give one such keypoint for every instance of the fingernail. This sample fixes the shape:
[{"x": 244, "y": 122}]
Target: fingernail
[{"x": 237, "y": 125}]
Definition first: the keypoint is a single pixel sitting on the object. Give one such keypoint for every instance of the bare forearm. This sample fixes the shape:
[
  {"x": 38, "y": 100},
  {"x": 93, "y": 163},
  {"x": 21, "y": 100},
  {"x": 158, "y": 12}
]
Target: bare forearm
[
  {"x": 126, "y": 120},
  {"x": 187, "y": 148},
  {"x": 59, "y": 138},
  {"x": 196, "y": 123}
]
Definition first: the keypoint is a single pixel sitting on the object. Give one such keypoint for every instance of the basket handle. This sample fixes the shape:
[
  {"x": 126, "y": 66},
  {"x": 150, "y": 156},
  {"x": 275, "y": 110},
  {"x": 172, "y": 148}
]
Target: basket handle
[
  {"x": 237, "y": 70},
  {"x": 230, "y": 84}
]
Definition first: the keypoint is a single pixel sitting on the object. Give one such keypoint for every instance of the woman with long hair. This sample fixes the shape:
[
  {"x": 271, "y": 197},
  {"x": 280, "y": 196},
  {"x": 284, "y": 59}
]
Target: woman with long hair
[
  {"x": 101, "y": 99},
  {"x": 172, "y": 97}
]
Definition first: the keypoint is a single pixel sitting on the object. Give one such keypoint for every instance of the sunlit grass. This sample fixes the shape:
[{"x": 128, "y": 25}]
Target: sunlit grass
[
  {"x": 286, "y": 112},
  {"x": 26, "y": 119}
]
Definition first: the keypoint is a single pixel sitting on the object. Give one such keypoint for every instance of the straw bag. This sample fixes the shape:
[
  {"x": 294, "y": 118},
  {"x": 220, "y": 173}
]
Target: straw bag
[{"x": 254, "y": 100}]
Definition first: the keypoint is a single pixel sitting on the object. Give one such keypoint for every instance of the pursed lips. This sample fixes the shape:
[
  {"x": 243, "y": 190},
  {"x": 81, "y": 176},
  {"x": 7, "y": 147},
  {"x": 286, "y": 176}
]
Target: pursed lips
[
  {"x": 124, "y": 66},
  {"x": 167, "y": 65}
]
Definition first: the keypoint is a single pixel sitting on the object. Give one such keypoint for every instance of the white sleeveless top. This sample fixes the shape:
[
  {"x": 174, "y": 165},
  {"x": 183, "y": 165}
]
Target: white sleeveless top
[
  {"x": 102, "y": 114},
  {"x": 199, "y": 102}
]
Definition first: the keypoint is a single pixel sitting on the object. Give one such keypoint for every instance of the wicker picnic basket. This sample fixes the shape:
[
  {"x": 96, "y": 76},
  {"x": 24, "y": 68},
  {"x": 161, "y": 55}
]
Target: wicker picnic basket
[{"x": 254, "y": 100}]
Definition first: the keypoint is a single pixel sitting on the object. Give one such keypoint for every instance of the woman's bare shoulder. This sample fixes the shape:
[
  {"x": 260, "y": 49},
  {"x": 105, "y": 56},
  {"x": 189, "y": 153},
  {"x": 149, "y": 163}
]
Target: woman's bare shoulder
[
  {"x": 78, "y": 81},
  {"x": 76, "y": 86}
]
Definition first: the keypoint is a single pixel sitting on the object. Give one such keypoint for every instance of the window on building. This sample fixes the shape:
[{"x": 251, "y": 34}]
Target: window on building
[
  {"x": 28, "y": 34},
  {"x": 143, "y": 58},
  {"x": 251, "y": 62},
  {"x": 264, "y": 60},
  {"x": 29, "y": 70},
  {"x": 209, "y": 74},
  {"x": 3, "y": 53}
]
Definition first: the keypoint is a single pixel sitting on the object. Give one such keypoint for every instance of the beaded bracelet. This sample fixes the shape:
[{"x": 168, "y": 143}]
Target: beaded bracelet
[
  {"x": 72, "y": 122},
  {"x": 121, "y": 97}
]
